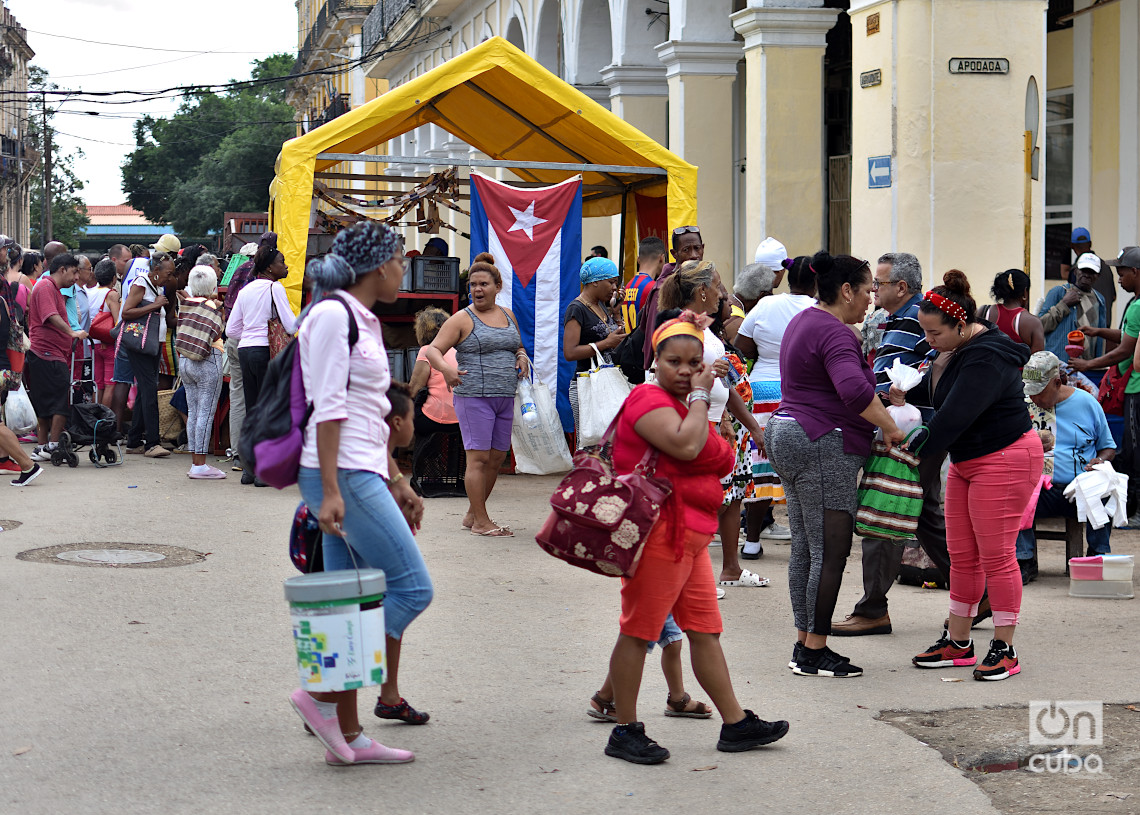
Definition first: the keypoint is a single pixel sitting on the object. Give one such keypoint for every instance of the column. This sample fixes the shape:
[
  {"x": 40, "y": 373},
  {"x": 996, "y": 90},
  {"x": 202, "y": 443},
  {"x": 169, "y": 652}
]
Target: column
[
  {"x": 785, "y": 174},
  {"x": 700, "y": 77}
]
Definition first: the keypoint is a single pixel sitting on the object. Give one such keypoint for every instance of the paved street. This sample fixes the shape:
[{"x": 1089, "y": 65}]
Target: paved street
[{"x": 165, "y": 689}]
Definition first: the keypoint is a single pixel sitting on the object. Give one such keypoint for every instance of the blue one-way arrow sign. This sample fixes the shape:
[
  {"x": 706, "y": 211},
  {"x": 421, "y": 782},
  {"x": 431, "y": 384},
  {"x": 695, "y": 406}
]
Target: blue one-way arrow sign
[{"x": 878, "y": 172}]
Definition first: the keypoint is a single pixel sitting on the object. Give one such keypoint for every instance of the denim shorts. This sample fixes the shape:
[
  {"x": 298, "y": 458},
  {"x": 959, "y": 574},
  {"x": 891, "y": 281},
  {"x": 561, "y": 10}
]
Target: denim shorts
[
  {"x": 123, "y": 372},
  {"x": 669, "y": 634},
  {"x": 381, "y": 539}
]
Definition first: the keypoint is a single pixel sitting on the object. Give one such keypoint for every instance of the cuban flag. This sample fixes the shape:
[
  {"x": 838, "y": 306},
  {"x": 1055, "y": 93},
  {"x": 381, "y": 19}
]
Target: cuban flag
[{"x": 535, "y": 236}]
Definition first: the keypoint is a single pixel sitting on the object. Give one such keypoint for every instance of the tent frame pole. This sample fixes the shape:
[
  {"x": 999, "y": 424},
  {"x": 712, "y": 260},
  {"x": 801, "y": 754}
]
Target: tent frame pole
[{"x": 509, "y": 165}]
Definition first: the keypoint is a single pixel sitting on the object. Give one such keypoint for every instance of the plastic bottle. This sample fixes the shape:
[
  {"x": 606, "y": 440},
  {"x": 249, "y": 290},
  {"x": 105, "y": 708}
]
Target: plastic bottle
[
  {"x": 528, "y": 408},
  {"x": 731, "y": 378}
]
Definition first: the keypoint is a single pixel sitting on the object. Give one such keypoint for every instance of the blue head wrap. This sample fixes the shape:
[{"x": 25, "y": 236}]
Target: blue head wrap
[{"x": 596, "y": 269}]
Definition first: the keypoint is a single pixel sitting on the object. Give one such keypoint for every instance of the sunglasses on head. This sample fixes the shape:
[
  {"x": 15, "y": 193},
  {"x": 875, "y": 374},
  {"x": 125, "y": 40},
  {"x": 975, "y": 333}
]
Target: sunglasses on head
[{"x": 681, "y": 230}]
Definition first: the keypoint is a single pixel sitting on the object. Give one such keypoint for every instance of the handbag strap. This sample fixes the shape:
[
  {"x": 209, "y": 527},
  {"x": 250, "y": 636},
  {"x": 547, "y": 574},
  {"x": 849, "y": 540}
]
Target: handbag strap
[{"x": 648, "y": 464}]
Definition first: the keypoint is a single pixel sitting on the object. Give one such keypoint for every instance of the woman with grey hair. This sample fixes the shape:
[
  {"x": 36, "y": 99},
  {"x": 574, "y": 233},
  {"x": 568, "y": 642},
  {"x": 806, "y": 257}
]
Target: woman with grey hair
[
  {"x": 207, "y": 259},
  {"x": 199, "y": 345},
  {"x": 348, "y": 476}
]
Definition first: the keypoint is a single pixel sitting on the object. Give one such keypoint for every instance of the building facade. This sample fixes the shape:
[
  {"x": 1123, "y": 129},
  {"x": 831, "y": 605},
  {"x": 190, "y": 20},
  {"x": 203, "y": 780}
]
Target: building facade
[
  {"x": 969, "y": 132},
  {"x": 18, "y": 157}
]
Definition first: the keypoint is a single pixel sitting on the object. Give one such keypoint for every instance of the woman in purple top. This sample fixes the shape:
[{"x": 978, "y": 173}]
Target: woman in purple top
[{"x": 817, "y": 442}]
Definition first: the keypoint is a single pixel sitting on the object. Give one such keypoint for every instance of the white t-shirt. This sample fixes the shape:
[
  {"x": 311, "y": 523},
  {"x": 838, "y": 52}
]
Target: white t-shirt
[
  {"x": 718, "y": 393},
  {"x": 766, "y": 324}
]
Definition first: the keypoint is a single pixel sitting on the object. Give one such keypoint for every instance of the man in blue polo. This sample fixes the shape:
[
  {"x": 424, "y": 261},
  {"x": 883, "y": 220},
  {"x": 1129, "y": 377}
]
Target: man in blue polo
[{"x": 898, "y": 289}]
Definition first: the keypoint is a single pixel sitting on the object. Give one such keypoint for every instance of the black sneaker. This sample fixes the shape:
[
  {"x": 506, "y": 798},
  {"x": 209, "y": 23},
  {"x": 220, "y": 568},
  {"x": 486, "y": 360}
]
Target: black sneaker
[
  {"x": 27, "y": 478},
  {"x": 628, "y": 741},
  {"x": 825, "y": 662},
  {"x": 247, "y": 477},
  {"x": 749, "y": 733},
  {"x": 797, "y": 649},
  {"x": 1028, "y": 569}
]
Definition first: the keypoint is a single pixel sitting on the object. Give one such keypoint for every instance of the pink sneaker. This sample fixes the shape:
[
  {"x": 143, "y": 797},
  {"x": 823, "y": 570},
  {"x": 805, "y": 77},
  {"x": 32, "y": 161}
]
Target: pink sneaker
[
  {"x": 376, "y": 753},
  {"x": 327, "y": 730},
  {"x": 208, "y": 473}
]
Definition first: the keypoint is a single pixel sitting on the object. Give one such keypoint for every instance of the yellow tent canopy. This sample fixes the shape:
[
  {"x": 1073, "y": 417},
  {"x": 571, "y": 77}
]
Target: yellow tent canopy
[{"x": 506, "y": 105}]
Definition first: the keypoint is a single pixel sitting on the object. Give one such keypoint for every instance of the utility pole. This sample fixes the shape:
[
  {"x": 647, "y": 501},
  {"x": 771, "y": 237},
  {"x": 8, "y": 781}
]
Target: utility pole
[{"x": 45, "y": 213}]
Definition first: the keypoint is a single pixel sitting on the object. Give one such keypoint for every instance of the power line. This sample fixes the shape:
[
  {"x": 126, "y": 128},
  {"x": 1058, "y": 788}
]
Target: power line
[
  {"x": 147, "y": 47},
  {"x": 133, "y": 67}
]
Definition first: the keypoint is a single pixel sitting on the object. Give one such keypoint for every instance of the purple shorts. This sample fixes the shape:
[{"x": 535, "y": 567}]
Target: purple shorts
[{"x": 485, "y": 421}]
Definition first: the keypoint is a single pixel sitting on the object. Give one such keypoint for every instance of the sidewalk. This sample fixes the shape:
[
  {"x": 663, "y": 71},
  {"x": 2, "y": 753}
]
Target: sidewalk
[{"x": 165, "y": 689}]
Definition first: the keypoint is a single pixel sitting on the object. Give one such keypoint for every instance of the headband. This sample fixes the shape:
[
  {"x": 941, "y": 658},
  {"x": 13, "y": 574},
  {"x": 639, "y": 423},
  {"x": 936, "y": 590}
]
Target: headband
[
  {"x": 945, "y": 305},
  {"x": 689, "y": 324},
  {"x": 596, "y": 269}
]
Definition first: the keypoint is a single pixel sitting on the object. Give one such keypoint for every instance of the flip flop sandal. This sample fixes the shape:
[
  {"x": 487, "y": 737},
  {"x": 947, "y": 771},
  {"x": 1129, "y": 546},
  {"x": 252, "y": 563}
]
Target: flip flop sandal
[
  {"x": 679, "y": 708},
  {"x": 402, "y": 711},
  {"x": 606, "y": 710},
  {"x": 496, "y": 532},
  {"x": 747, "y": 578}
]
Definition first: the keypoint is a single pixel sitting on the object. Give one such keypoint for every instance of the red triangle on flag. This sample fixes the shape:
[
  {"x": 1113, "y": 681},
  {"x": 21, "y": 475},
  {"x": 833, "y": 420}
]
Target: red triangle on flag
[{"x": 526, "y": 221}]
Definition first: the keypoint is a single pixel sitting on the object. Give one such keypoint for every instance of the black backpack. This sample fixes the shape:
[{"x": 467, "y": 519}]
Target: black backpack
[
  {"x": 629, "y": 355},
  {"x": 273, "y": 432}
]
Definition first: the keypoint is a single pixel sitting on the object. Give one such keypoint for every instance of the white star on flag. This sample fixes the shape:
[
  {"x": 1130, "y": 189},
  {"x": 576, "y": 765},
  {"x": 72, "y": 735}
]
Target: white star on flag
[{"x": 525, "y": 220}]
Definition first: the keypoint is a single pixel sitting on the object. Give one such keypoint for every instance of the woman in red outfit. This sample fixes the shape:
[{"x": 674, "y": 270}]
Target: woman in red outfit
[
  {"x": 1011, "y": 314},
  {"x": 675, "y": 573}
]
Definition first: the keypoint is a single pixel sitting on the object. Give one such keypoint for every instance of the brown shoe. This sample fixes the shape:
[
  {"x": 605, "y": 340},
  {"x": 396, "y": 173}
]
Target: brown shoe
[
  {"x": 157, "y": 452},
  {"x": 855, "y": 626},
  {"x": 984, "y": 613}
]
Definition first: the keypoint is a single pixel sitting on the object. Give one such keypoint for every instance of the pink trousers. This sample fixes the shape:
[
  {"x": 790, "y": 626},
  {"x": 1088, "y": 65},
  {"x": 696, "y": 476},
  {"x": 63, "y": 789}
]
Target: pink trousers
[{"x": 985, "y": 498}]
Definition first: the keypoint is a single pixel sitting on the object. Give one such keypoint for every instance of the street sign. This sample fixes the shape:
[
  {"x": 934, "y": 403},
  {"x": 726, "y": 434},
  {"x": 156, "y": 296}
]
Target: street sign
[
  {"x": 878, "y": 172},
  {"x": 869, "y": 79},
  {"x": 979, "y": 65}
]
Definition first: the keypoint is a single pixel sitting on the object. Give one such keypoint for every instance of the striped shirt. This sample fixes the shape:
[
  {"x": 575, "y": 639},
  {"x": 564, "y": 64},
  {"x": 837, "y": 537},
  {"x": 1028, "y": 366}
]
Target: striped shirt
[{"x": 904, "y": 339}]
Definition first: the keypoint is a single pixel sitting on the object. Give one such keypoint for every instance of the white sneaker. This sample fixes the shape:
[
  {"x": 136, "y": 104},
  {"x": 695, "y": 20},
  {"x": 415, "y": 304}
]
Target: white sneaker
[
  {"x": 41, "y": 454},
  {"x": 776, "y": 532}
]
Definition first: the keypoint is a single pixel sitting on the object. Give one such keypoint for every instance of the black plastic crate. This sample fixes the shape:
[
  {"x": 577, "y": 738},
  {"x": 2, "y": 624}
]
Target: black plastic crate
[
  {"x": 435, "y": 274},
  {"x": 406, "y": 282},
  {"x": 396, "y": 360},
  {"x": 410, "y": 355}
]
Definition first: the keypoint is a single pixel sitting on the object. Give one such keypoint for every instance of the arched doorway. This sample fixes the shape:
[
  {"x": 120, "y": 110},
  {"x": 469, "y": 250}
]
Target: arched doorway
[
  {"x": 595, "y": 42},
  {"x": 548, "y": 43},
  {"x": 515, "y": 35}
]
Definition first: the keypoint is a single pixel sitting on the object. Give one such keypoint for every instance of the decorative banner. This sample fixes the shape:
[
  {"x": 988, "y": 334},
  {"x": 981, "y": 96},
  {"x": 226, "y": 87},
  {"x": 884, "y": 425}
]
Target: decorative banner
[{"x": 535, "y": 236}]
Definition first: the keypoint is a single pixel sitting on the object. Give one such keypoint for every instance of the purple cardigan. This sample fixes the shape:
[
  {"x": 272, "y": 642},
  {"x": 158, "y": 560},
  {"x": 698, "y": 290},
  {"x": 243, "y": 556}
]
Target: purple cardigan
[{"x": 825, "y": 381}]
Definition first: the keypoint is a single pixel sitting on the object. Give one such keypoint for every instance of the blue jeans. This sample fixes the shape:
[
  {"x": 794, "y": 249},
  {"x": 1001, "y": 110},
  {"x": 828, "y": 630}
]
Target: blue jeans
[
  {"x": 670, "y": 633},
  {"x": 1054, "y": 504},
  {"x": 380, "y": 538}
]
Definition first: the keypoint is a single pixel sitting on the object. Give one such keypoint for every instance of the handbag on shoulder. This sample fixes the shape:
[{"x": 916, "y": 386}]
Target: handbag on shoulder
[
  {"x": 600, "y": 520},
  {"x": 275, "y": 330},
  {"x": 1111, "y": 391}
]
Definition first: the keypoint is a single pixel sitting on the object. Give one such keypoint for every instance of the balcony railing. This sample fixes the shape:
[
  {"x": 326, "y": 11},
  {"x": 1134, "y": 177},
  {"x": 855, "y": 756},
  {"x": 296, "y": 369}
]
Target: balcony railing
[
  {"x": 337, "y": 106},
  {"x": 330, "y": 11},
  {"x": 384, "y": 15}
]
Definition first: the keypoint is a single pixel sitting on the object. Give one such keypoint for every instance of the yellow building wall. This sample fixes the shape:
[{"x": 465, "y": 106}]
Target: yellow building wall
[
  {"x": 1105, "y": 132},
  {"x": 1059, "y": 59},
  {"x": 956, "y": 199}
]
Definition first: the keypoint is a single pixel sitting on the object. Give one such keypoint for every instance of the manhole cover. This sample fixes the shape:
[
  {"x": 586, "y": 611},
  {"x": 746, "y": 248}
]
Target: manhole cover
[
  {"x": 114, "y": 555},
  {"x": 9, "y": 524}
]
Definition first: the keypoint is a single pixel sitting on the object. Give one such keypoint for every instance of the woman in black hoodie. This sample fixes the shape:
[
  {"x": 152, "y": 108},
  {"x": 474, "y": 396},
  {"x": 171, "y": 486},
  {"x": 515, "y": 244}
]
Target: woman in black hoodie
[{"x": 981, "y": 419}]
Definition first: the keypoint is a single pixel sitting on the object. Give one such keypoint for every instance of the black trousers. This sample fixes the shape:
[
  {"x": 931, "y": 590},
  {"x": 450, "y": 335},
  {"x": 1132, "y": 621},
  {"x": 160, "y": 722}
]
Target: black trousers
[
  {"x": 882, "y": 559},
  {"x": 254, "y": 365},
  {"x": 144, "y": 423},
  {"x": 1127, "y": 460}
]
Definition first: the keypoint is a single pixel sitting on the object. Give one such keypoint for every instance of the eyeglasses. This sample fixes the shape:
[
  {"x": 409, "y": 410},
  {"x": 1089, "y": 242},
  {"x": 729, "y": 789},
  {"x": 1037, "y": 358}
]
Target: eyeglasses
[
  {"x": 681, "y": 230},
  {"x": 877, "y": 284}
]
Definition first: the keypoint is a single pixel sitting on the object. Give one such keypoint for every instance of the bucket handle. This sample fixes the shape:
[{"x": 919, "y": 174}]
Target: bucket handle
[{"x": 352, "y": 555}]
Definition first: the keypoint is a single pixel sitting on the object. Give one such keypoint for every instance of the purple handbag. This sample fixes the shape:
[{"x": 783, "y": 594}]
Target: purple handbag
[{"x": 600, "y": 520}]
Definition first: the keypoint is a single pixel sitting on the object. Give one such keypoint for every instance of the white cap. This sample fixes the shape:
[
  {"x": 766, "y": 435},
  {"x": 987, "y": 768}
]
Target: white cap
[
  {"x": 1089, "y": 261},
  {"x": 771, "y": 253},
  {"x": 249, "y": 250}
]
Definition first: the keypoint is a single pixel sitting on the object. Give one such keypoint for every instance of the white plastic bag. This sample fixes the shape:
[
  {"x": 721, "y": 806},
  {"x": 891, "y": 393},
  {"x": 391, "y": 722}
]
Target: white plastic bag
[
  {"x": 18, "y": 412},
  {"x": 904, "y": 377},
  {"x": 1089, "y": 491},
  {"x": 541, "y": 450},
  {"x": 601, "y": 393}
]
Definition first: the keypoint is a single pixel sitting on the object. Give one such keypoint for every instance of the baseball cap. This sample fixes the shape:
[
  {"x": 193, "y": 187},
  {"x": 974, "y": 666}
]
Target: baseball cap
[
  {"x": 167, "y": 243},
  {"x": 771, "y": 253},
  {"x": 1089, "y": 261},
  {"x": 1129, "y": 256},
  {"x": 1039, "y": 371},
  {"x": 1080, "y": 235},
  {"x": 438, "y": 243}
]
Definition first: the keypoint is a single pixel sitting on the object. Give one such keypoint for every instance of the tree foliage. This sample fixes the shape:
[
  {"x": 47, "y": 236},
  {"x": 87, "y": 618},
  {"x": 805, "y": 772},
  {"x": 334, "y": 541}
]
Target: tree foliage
[
  {"x": 69, "y": 214},
  {"x": 216, "y": 154}
]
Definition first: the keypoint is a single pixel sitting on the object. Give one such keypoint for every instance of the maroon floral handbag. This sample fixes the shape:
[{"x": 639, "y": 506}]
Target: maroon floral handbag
[
  {"x": 601, "y": 520},
  {"x": 275, "y": 331}
]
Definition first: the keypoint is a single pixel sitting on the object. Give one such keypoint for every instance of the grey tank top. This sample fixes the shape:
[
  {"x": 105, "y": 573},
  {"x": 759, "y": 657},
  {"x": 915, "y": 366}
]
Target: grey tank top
[{"x": 488, "y": 356}]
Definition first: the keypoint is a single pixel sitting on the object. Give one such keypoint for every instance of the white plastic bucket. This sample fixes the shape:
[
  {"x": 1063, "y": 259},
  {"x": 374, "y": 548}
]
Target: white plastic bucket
[{"x": 338, "y": 628}]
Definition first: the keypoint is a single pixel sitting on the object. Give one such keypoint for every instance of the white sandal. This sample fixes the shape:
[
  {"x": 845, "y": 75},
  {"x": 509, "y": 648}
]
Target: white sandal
[{"x": 747, "y": 579}]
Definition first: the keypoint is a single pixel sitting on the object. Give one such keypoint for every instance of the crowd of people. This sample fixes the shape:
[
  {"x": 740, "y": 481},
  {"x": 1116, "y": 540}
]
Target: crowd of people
[{"x": 748, "y": 398}]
